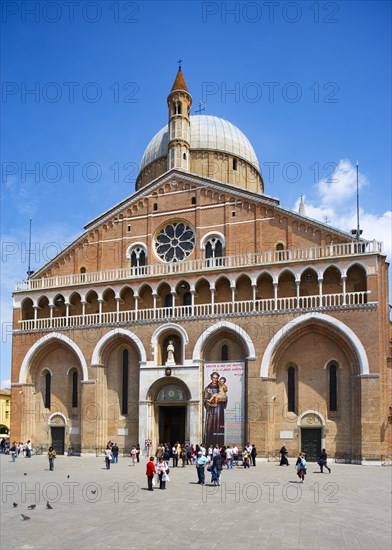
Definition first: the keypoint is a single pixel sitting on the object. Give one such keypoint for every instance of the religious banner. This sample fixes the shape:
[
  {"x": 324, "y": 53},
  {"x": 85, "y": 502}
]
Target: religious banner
[{"x": 223, "y": 401}]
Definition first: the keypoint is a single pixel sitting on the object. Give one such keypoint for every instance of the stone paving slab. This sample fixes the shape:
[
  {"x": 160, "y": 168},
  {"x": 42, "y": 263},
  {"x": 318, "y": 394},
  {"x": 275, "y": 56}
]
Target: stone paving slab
[{"x": 260, "y": 508}]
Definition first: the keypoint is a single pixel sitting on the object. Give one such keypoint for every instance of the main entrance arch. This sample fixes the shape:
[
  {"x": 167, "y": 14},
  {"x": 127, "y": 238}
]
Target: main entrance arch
[{"x": 170, "y": 411}]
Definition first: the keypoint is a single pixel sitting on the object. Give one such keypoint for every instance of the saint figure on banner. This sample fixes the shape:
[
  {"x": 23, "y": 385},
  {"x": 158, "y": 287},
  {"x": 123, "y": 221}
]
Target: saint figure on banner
[{"x": 215, "y": 403}]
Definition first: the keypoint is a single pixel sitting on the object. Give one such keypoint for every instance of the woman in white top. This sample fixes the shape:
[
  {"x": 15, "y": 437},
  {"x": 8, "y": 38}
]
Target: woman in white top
[
  {"x": 108, "y": 456},
  {"x": 161, "y": 468}
]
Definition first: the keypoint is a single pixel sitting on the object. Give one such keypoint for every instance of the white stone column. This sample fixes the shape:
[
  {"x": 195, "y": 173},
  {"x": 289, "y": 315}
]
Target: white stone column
[
  {"x": 320, "y": 283},
  {"x": 100, "y": 301},
  {"x": 344, "y": 279},
  {"x": 118, "y": 300},
  {"x": 67, "y": 306},
  {"x": 297, "y": 285},
  {"x": 84, "y": 303},
  {"x": 212, "y": 289},
  {"x": 275, "y": 295},
  {"x": 35, "y": 315},
  {"x": 195, "y": 428},
  {"x": 51, "y": 308},
  {"x": 136, "y": 298},
  {"x": 254, "y": 290}
]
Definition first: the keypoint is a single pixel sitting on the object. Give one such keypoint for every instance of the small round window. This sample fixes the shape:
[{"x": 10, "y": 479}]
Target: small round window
[{"x": 174, "y": 242}]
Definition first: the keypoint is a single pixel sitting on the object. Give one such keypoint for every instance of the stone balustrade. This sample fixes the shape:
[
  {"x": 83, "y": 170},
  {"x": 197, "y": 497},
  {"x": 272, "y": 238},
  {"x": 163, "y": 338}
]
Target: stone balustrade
[
  {"x": 234, "y": 308},
  {"x": 267, "y": 258}
]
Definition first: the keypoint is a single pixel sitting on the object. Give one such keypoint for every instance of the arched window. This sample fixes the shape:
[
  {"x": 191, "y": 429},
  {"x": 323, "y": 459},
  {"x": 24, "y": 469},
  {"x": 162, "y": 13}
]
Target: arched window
[
  {"x": 225, "y": 352},
  {"x": 137, "y": 255},
  {"x": 48, "y": 381},
  {"x": 333, "y": 388},
  {"x": 124, "y": 399},
  {"x": 177, "y": 110},
  {"x": 74, "y": 389},
  {"x": 214, "y": 251},
  {"x": 291, "y": 389}
]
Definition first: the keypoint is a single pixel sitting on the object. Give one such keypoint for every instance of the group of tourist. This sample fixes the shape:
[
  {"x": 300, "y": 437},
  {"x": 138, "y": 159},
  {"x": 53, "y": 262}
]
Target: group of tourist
[
  {"x": 20, "y": 449},
  {"x": 214, "y": 458},
  {"x": 112, "y": 450},
  {"x": 188, "y": 454}
]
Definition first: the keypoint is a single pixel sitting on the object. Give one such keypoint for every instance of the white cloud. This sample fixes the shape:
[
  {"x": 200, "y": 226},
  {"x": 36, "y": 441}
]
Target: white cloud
[
  {"x": 336, "y": 207},
  {"x": 6, "y": 383},
  {"x": 341, "y": 184}
]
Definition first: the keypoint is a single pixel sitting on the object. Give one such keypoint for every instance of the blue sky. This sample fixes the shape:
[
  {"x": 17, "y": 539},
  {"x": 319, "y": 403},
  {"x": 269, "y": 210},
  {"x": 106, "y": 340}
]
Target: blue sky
[{"x": 84, "y": 91}]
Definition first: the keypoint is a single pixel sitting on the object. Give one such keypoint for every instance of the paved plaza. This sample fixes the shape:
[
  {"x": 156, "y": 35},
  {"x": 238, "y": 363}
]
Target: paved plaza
[{"x": 261, "y": 507}]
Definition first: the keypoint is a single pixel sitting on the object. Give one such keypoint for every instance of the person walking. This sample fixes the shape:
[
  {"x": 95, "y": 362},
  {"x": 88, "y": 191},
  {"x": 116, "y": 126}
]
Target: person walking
[
  {"x": 115, "y": 453},
  {"x": 245, "y": 458},
  {"x": 13, "y": 451},
  {"x": 322, "y": 461},
  {"x": 162, "y": 473},
  {"x": 217, "y": 466},
  {"x": 229, "y": 458},
  {"x": 200, "y": 465},
  {"x": 150, "y": 472},
  {"x": 159, "y": 451},
  {"x": 28, "y": 448},
  {"x": 253, "y": 454},
  {"x": 108, "y": 456},
  {"x": 174, "y": 455},
  {"x": 183, "y": 456},
  {"x": 133, "y": 455},
  {"x": 301, "y": 467},
  {"x": 283, "y": 457},
  {"x": 51, "y": 457},
  {"x": 138, "y": 453}
]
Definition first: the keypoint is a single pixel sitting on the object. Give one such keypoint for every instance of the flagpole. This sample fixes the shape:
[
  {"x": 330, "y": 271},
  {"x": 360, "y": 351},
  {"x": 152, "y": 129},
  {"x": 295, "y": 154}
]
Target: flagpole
[
  {"x": 358, "y": 230},
  {"x": 29, "y": 272}
]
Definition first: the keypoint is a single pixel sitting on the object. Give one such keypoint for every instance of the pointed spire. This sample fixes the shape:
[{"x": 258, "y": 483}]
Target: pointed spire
[
  {"x": 301, "y": 209},
  {"x": 179, "y": 83}
]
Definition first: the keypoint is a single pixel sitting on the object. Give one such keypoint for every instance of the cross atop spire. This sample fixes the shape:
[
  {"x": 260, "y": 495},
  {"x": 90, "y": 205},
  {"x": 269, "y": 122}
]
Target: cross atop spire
[
  {"x": 179, "y": 83},
  {"x": 179, "y": 64}
]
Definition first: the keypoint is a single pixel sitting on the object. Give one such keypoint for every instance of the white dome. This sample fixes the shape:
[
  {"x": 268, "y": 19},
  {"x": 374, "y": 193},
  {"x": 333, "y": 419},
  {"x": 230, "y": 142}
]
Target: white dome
[{"x": 207, "y": 132}]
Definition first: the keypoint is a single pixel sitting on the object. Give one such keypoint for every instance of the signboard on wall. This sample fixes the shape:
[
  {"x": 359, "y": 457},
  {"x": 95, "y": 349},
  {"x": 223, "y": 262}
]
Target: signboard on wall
[{"x": 223, "y": 403}]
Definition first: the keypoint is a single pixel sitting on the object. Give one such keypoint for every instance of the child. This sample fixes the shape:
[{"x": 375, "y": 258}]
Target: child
[
  {"x": 133, "y": 455},
  {"x": 150, "y": 471},
  {"x": 221, "y": 395},
  {"x": 301, "y": 466}
]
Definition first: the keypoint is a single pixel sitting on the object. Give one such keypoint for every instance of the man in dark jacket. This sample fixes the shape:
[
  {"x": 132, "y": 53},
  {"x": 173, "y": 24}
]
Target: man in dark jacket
[{"x": 217, "y": 466}]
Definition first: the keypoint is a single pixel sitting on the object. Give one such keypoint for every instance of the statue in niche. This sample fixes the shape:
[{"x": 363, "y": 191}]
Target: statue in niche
[{"x": 170, "y": 353}]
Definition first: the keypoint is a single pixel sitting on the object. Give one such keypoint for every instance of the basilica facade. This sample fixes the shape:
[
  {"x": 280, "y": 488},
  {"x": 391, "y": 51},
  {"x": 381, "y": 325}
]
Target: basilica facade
[{"x": 199, "y": 309}]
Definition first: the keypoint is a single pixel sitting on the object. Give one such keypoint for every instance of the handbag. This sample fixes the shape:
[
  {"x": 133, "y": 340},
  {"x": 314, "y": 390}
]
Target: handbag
[
  {"x": 209, "y": 468},
  {"x": 168, "y": 471}
]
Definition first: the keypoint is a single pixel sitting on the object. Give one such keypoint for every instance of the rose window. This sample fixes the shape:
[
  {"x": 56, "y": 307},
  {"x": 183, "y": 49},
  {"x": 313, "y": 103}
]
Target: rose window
[{"x": 174, "y": 242}]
